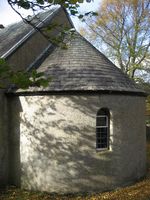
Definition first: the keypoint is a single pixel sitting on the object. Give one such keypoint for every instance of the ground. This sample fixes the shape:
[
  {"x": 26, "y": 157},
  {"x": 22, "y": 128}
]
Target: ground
[{"x": 138, "y": 191}]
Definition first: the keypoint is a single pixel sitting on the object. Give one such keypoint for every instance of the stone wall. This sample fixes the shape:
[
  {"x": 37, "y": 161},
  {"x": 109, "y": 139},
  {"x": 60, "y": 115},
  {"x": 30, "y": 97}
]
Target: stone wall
[
  {"x": 58, "y": 143},
  {"x": 4, "y": 127}
]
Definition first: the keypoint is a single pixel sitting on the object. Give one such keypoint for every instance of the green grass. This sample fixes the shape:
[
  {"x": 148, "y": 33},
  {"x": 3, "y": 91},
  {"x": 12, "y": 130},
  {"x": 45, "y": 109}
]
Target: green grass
[{"x": 138, "y": 191}]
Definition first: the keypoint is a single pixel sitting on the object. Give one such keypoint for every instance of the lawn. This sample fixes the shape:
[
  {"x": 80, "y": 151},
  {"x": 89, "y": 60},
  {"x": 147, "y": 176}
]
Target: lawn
[{"x": 138, "y": 191}]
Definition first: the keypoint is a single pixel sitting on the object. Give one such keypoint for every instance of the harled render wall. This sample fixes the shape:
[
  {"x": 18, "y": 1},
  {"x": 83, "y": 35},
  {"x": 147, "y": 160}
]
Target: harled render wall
[
  {"x": 3, "y": 139},
  {"x": 57, "y": 142}
]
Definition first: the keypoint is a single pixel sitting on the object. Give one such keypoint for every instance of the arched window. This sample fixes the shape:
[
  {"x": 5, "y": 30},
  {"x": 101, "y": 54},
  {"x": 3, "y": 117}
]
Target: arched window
[{"x": 102, "y": 129}]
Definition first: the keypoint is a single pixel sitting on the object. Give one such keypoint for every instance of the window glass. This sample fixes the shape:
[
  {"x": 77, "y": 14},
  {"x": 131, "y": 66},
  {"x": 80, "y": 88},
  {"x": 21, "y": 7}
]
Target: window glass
[
  {"x": 101, "y": 120},
  {"x": 102, "y": 129}
]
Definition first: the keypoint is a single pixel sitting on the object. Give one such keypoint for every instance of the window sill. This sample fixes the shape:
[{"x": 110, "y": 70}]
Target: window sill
[{"x": 104, "y": 150}]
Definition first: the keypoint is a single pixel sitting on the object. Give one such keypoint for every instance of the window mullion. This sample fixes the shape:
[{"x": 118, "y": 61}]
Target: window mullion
[{"x": 102, "y": 126}]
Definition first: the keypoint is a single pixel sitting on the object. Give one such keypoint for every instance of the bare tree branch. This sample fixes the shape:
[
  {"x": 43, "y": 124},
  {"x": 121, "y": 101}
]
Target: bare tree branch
[{"x": 124, "y": 28}]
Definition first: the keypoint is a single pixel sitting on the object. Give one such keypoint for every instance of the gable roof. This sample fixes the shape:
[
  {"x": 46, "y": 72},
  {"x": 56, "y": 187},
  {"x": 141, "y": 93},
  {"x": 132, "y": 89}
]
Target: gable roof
[
  {"x": 82, "y": 67},
  {"x": 15, "y": 34}
]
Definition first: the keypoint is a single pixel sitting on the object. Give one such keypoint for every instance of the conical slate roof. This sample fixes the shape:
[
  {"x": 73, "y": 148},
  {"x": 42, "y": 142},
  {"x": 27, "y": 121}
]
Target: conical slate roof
[{"x": 82, "y": 67}]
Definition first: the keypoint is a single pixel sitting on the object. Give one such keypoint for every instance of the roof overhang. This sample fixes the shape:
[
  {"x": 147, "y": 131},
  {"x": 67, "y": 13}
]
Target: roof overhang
[{"x": 76, "y": 92}]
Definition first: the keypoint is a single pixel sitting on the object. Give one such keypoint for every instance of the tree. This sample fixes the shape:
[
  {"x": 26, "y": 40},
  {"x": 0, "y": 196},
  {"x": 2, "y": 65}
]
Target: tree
[
  {"x": 34, "y": 5},
  {"x": 21, "y": 79},
  {"x": 37, "y": 5},
  {"x": 123, "y": 30}
]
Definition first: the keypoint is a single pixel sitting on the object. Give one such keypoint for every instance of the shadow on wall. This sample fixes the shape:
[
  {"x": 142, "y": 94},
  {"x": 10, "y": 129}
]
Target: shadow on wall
[
  {"x": 14, "y": 141},
  {"x": 56, "y": 152}
]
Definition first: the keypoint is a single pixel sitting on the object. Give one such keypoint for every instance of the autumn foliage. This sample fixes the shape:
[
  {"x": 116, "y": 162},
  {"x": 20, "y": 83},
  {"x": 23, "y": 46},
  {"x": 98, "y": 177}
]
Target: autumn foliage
[{"x": 122, "y": 28}]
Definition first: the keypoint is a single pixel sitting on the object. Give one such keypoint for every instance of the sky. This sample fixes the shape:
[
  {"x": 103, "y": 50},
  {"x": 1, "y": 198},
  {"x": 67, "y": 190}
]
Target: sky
[{"x": 8, "y": 16}]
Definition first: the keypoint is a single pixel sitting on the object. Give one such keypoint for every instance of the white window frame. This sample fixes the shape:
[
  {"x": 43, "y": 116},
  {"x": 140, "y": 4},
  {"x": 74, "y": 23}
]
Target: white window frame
[
  {"x": 101, "y": 116},
  {"x": 98, "y": 127}
]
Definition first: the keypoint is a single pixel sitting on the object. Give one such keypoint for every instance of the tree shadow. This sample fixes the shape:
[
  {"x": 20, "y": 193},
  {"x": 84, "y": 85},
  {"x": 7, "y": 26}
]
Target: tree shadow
[
  {"x": 52, "y": 146},
  {"x": 15, "y": 108}
]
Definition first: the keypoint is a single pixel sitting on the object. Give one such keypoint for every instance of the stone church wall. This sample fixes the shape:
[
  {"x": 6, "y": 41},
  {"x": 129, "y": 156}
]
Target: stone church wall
[{"x": 57, "y": 149}]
